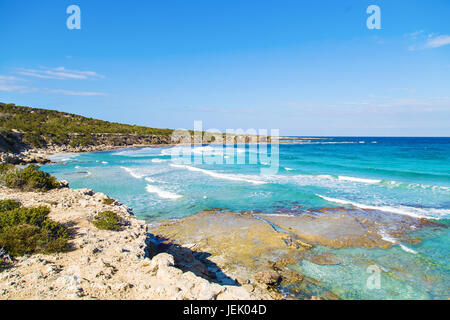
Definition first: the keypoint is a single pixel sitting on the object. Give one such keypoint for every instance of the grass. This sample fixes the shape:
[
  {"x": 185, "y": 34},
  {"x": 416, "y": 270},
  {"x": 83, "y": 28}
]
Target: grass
[
  {"x": 29, "y": 230},
  {"x": 108, "y": 220}
]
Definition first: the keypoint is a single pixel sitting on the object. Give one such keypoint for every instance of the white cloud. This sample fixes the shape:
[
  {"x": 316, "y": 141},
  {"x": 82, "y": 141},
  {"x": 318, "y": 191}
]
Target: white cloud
[
  {"x": 75, "y": 93},
  {"x": 10, "y": 83},
  {"x": 439, "y": 41},
  {"x": 59, "y": 73},
  {"x": 415, "y": 34},
  {"x": 427, "y": 41},
  {"x": 13, "y": 84}
]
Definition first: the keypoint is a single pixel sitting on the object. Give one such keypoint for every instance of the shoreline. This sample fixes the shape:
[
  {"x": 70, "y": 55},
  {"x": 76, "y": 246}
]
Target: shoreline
[{"x": 101, "y": 264}]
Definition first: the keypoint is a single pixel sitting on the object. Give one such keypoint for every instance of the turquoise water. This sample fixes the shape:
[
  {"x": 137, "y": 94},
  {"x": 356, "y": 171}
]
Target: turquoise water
[{"x": 404, "y": 176}]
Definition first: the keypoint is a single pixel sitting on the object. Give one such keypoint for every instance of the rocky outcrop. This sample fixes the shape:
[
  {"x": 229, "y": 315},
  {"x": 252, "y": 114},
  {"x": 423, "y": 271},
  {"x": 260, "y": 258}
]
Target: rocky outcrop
[
  {"x": 107, "y": 264},
  {"x": 264, "y": 250},
  {"x": 19, "y": 159}
]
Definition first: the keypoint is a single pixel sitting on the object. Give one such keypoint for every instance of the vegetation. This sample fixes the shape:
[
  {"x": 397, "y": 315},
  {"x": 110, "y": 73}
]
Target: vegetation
[
  {"x": 108, "y": 220},
  {"x": 39, "y": 127},
  {"x": 108, "y": 201},
  {"x": 29, "y": 230},
  {"x": 30, "y": 178}
]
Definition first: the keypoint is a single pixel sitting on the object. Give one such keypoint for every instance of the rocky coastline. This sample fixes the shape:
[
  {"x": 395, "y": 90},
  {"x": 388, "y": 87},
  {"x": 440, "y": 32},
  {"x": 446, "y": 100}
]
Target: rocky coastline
[{"x": 102, "y": 264}]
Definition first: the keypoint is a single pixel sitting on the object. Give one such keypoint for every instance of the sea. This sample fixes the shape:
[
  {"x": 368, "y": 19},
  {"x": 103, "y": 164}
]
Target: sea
[{"x": 379, "y": 175}]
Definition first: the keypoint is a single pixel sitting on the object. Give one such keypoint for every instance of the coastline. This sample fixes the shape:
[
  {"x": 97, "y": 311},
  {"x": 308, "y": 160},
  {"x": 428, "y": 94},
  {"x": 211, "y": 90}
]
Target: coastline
[
  {"x": 258, "y": 252},
  {"x": 106, "y": 264}
]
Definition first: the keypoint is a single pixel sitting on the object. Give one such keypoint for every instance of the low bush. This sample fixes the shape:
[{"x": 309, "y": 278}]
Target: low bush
[
  {"x": 108, "y": 220},
  {"x": 8, "y": 204},
  {"x": 29, "y": 230},
  {"x": 30, "y": 178},
  {"x": 108, "y": 201},
  {"x": 5, "y": 167}
]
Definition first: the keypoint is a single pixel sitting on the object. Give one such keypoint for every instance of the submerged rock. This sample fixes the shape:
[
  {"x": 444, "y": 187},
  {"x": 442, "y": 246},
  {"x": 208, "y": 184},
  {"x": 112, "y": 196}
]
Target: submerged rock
[
  {"x": 333, "y": 229},
  {"x": 269, "y": 277},
  {"x": 326, "y": 258}
]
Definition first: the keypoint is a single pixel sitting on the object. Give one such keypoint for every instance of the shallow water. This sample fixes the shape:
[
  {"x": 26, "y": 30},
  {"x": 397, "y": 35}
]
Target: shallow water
[{"x": 402, "y": 176}]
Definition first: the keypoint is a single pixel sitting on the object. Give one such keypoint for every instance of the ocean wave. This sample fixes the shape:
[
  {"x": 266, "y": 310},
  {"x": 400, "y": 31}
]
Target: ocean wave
[
  {"x": 133, "y": 173},
  {"x": 362, "y": 180},
  {"x": 324, "y": 142},
  {"x": 137, "y": 153},
  {"x": 407, "y": 185},
  {"x": 288, "y": 169},
  {"x": 388, "y": 238},
  {"x": 217, "y": 175},
  {"x": 162, "y": 193},
  {"x": 407, "y": 249},
  {"x": 159, "y": 160},
  {"x": 380, "y": 182},
  {"x": 62, "y": 157},
  {"x": 430, "y": 213}
]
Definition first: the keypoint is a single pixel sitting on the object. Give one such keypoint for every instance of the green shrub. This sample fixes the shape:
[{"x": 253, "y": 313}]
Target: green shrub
[
  {"x": 108, "y": 201},
  {"x": 29, "y": 179},
  {"x": 108, "y": 220},
  {"x": 8, "y": 204},
  {"x": 29, "y": 230},
  {"x": 5, "y": 167}
]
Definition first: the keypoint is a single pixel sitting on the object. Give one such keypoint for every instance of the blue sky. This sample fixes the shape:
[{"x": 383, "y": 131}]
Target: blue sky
[{"x": 304, "y": 67}]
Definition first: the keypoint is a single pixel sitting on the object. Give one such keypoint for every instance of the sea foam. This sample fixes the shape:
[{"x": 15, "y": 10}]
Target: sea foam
[
  {"x": 133, "y": 173},
  {"x": 161, "y": 193},
  {"x": 361, "y": 180},
  {"x": 232, "y": 177},
  {"x": 431, "y": 213}
]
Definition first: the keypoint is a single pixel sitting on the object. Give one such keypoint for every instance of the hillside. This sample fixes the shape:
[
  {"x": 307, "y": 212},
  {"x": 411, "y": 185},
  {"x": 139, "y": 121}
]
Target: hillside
[{"x": 24, "y": 128}]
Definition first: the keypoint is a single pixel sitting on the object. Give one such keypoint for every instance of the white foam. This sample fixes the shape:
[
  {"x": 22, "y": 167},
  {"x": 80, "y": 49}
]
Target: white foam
[
  {"x": 387, "y": 237},
  {"x": 149, "y": 179},
  {"x": 217, "y": 175},
  {"x": 405, "y": 248},
  {"x": 133, "y": 173},
  {"x": 418, "y": 213},
  {"x": 62, "y": 157},
  {"x": 390, "y": 239},
  {"x": 416, "y": 186},
  {"x": 362, "y": 180},
  {"x": 159, "y": 160},
  {"x": 137, "y": 153},
  {"x": 104, "y": 162},
  {"x": 324, "y": 176},
  {"x": 288, "y": 169},
  {"x": 161, "y": 193}
]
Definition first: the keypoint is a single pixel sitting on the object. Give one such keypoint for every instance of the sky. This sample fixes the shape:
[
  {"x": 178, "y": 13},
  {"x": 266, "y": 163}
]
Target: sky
[{"x": 304, "y": 67}]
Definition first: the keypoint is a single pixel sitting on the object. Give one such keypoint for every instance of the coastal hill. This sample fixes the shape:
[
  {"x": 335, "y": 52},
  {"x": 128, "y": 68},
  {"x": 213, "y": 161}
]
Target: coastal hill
[
  {"x": 24, "y": 128},
  {"x": 35, "y": 133}
]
